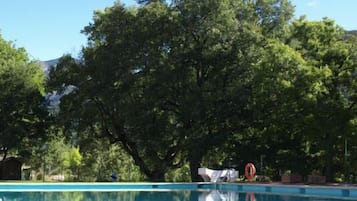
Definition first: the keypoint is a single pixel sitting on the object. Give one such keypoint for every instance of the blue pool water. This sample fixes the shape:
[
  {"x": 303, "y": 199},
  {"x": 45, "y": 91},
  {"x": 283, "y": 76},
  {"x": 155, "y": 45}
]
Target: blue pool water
[
  {"x": 171, "y": 192},
  {"x": 154, "y": 196}
]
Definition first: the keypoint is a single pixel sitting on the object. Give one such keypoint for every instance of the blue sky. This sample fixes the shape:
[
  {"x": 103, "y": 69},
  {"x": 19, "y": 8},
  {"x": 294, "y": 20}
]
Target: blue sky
[
  {"x": 47, "y": 29},
  {"x": 342, "y": 11}
]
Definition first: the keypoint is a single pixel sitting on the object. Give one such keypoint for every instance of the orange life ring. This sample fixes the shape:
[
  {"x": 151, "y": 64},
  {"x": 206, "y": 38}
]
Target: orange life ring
[{"x": 250, "y": 171}]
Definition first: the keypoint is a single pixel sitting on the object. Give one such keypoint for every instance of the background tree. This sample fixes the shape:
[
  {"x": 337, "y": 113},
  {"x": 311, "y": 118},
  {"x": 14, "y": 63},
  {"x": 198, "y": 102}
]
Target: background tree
[
  {"x": 72, "y": 160},
  {"x": 279, "y": 87},
  {"x": 332, "y": 107},
  {"x": 351, "y": 141},
  {"x": 22, "y": 104}
]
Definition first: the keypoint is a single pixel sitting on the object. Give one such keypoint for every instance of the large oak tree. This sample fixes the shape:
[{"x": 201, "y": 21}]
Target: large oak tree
[{"x": 173, "y": 82}]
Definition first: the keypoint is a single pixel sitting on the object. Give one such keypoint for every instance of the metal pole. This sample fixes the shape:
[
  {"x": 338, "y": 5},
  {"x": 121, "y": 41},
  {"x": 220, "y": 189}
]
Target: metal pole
[
  {"x": 261, "y": 164},
  {"x": 44, "y": 167},
  {"x": 346, "y": 162},
  {"x": 44, "y": 149}
]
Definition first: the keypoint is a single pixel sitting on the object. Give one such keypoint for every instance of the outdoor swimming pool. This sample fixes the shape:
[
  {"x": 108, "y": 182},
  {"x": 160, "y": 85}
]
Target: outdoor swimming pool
[
  {"x": 153, "y": 196},
  {"x": 170, "y": 192}
]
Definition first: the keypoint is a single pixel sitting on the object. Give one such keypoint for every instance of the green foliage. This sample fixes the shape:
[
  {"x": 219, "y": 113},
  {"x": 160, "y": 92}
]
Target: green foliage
[
  {"x": 323, "y": 47},
  {"x": 22, "y": 110},
  {"x": 181, "y": 174},
  {"x": 163, "y": 89},
  {"x": 101, "y": 159},
  {"x": 72, "y": 160},
  {"x": 199, "y": 83}
]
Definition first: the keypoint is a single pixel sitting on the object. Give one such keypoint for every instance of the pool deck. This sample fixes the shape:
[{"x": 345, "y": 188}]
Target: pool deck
[{"x": 331, "y": 190}]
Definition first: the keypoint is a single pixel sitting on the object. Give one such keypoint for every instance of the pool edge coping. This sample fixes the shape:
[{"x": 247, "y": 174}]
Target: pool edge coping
[{"x": 292, "y": 189}]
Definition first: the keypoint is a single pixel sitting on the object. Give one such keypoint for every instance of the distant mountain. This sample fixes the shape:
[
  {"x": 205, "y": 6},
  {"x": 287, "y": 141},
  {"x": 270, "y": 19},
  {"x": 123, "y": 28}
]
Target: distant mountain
[
  {"x": 352, "y": 32},
  {"x": 46, "y": 65},
  {"x": 54, "y": 98},
  {"x": 349, "y": 34}
]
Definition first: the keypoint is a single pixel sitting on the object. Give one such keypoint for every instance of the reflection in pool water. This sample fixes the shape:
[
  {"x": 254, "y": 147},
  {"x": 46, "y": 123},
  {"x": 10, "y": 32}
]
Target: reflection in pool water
[
  {"x": 153, "y": 196},
  {"x": 216, "y": 195}
]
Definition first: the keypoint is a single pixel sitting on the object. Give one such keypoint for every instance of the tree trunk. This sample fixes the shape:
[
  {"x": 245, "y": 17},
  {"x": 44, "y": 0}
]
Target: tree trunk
[
  {"x": 5, "y": 154},
  {"x": 155, "y": 171},
  {"x": 194, "y": 165},
  {"x": 158, "y": 175},
  {"x": 329, "y": 164},
  {"x": 329, "y": 159}
]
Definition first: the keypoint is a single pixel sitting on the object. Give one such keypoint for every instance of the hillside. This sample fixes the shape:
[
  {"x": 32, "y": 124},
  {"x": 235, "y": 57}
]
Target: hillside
[{"x": 46, "y": 65}]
